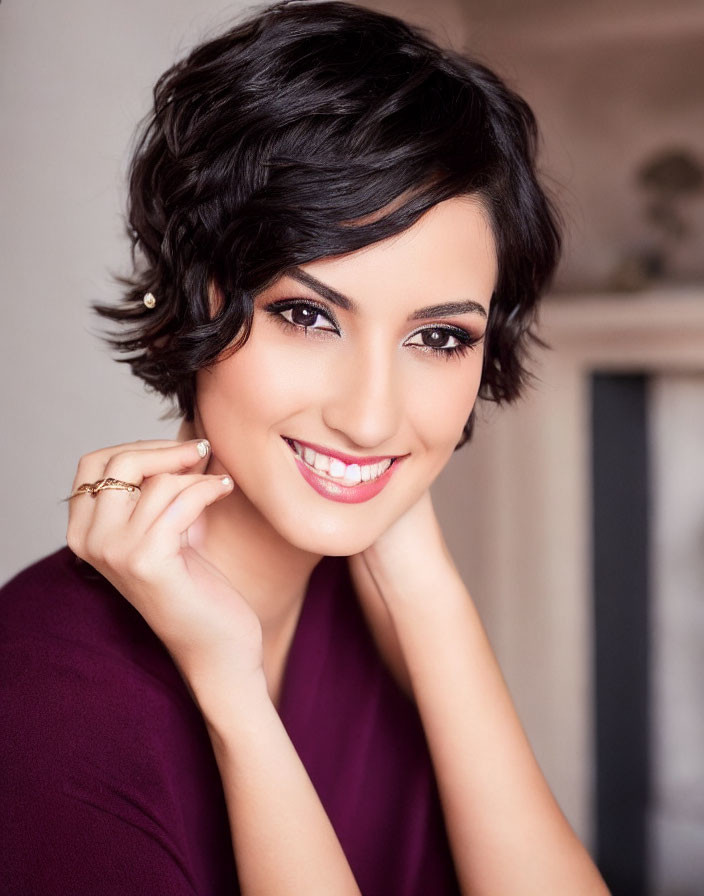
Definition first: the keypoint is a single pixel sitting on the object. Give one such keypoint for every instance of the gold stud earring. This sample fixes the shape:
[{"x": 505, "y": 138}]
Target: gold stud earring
[{"x": 149, "y": 300}]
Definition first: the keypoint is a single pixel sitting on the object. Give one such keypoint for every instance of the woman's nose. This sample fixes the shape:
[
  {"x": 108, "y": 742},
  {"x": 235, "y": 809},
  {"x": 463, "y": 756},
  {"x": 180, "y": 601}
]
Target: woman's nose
[{"x": 365, "y": 398}]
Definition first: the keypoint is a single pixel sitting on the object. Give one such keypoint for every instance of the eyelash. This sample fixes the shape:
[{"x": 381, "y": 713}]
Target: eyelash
[{"x": 466, "y": 341}]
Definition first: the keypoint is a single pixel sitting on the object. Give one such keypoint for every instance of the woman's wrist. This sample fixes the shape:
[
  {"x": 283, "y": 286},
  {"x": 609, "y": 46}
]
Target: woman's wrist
[
  {"x": 229, "y": 703},
  {"x": 411, "y": 559},
  {"x": 411, "y": 579}
]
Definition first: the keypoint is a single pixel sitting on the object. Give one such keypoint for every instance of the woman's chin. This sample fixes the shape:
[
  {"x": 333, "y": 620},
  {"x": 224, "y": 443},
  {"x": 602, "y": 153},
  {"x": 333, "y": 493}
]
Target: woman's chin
[{"x": 339, "y": 543}]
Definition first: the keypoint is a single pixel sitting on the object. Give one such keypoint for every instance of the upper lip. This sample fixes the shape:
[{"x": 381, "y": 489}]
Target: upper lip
[{"x": 341, "y": 455}]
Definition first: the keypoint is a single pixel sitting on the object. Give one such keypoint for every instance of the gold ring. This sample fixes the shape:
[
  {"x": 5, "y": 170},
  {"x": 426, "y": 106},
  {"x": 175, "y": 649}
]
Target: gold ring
[{"x": 92, "y": 488}]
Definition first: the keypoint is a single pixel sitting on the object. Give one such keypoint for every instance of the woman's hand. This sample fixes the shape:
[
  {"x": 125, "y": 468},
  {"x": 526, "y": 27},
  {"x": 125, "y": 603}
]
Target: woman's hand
[
  {"x": 140, "y": 542},
  {"x": 405, "y": 565},
  {"x": 410, "y": 552}
]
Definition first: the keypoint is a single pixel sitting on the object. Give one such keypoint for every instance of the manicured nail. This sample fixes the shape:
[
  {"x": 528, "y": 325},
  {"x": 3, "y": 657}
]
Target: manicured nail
[
  {"x": 226, "y": 481},
  {"x": 203, "y": 447}
]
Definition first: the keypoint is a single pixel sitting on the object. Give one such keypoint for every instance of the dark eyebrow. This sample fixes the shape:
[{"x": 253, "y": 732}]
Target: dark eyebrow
[
  {"x": 327, "y": 292},
  {"x": 337, "y": 298},
  {"x": 447, "y": 309}
]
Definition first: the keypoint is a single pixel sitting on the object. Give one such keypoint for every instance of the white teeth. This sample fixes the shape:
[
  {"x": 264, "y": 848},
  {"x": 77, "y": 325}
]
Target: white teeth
[
  {"x": 337, "y": 468},
  {"x": 322, "y": 462},
  {"x": 383, "y": 466},
  {"x": 351, "y": 474}
]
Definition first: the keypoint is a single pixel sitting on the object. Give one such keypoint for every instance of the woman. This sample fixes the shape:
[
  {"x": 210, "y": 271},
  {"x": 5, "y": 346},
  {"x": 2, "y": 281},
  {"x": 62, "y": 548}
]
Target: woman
[{"x": 255, "y": 663}]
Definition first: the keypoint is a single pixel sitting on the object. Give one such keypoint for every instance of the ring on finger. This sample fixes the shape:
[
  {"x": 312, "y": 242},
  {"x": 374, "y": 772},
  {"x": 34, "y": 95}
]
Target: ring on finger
[{"x": 92, "y": 488}]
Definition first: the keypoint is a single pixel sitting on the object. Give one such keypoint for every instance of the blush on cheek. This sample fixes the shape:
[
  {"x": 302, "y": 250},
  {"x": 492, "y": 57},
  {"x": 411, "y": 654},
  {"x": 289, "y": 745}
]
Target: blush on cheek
[
  {"x": 441, "y": 416},
  {"x": 286, "y": 378}
]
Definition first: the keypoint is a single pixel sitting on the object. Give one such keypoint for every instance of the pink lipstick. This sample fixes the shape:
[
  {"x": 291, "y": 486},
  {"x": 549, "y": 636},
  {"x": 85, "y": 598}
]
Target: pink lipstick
[{"x": 336, "y": 489}]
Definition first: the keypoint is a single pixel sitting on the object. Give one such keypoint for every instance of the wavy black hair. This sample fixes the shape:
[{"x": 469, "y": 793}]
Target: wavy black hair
[{"x": 269, "y": 143}]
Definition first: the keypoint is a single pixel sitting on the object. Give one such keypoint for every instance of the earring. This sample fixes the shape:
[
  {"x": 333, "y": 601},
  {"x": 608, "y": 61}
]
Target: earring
[{"x": 149, "y": 300}]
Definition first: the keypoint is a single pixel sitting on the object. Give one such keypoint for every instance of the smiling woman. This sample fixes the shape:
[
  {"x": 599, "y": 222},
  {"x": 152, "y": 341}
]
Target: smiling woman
[{"x": 255, "y": 668}]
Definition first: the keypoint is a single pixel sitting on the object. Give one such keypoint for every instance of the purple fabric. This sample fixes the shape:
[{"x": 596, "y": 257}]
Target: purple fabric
[{"x": 108, "y": 781}]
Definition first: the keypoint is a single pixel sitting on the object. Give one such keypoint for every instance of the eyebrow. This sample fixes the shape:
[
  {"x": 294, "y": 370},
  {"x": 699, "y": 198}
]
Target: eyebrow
[{"x": 342, "y": 301}]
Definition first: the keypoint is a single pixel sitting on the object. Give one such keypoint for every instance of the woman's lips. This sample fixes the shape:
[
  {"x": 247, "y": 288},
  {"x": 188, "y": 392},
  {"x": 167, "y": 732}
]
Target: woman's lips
[
  {"x": 336, "y": 490},
  {"x": 340, "y": 455}
]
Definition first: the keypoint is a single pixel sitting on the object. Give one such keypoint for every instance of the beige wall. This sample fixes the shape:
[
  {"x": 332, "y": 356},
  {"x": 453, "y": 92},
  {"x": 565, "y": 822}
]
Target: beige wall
[{"x": 75, "y": 77}]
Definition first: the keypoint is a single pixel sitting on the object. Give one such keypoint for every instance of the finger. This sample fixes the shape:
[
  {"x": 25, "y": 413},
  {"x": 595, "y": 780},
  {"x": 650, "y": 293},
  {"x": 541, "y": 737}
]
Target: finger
[
  {"x": 130, "y": 462},
  {"x": 113, "y": 510},
  {"x": 94, "y": 461},
  {"x": 138, "y": 465},
  {"x": 133, "y": 462},
  {"x": 163, "y": 539},
  {"x": 112, "y": 536},
  {"x": 158, "y": 492}
]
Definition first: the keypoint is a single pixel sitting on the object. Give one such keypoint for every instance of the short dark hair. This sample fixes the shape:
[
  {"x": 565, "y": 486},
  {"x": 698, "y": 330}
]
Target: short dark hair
[{"x": 267, "y": 143}]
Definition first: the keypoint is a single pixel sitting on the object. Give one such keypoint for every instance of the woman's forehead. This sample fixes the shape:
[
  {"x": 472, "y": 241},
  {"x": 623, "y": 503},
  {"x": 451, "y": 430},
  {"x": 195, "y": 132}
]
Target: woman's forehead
[{"x": 452, "y": 241}]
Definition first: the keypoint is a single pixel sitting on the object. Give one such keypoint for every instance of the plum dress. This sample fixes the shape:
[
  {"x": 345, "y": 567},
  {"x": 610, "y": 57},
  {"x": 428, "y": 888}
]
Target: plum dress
[{"x": 108, "y": 783}]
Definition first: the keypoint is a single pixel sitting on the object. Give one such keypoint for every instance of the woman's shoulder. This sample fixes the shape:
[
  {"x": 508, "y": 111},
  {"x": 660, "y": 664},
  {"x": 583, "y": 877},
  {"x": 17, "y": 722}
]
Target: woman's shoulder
[
  {"x": 82, "y": 676},
  {"x": 99, "y": 735},
  {"x": 59, "y": 612},
  {"x": 57, "y": 580}
]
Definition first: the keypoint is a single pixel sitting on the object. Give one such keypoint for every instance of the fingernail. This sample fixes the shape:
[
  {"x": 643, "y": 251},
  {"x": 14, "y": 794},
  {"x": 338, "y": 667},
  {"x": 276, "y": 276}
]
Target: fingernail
[
  {"x": 203, "y": 447},
  {"x": 226, "y": 481}
]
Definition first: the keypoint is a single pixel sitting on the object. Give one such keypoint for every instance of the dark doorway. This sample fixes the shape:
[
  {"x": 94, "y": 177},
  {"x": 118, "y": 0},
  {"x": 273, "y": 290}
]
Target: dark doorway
[{"x": 621, "y": 606}]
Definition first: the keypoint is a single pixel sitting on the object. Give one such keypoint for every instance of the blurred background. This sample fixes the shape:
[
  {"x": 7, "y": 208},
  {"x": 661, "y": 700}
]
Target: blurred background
[{"x": 584, "y": 544}]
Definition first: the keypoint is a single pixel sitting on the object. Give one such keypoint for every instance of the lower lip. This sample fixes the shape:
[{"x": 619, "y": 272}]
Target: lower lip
[{"x": 347, "y": 494}]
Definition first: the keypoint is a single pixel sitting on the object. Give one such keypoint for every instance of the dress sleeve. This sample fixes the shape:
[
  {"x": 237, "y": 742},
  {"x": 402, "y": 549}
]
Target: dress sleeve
[
  {"x": 107, "y": 785},
  {"x": 83, "y": 812}
]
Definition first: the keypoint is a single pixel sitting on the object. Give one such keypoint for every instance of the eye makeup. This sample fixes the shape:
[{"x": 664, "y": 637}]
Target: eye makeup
[
  {"x": 304, "y": 313},
  {"x": 463, "y": 339},
  {"x": 314, "y": 310}
]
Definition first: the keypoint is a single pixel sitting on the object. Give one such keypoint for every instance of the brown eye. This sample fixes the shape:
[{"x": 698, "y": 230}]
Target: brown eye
[
  {"x": 435, "y": 338},
  {"x": 303, "y": 315},
  {"x": 438, "y": 338}
]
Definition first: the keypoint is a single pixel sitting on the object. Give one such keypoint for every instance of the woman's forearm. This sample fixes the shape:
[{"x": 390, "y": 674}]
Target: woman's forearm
[
  {"x": 283, "y": 840},
  {"x": 507, "y": 833}
]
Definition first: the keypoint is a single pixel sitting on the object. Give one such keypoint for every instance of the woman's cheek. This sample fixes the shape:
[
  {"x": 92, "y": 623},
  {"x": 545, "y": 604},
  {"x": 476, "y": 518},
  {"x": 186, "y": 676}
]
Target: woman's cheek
[
  {"x": 296, "y": 378},
  {"x": 441, "y": 401}
]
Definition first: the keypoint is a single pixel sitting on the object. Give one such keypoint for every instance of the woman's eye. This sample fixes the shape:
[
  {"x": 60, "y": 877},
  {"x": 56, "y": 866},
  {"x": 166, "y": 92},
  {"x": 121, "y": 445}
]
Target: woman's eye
[
  {"x": 308, "y": 317},
  {"x": 441, "y": 339}
]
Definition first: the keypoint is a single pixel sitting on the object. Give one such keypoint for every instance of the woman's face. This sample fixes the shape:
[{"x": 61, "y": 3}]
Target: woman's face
[{"x": 373, "y": 354}]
